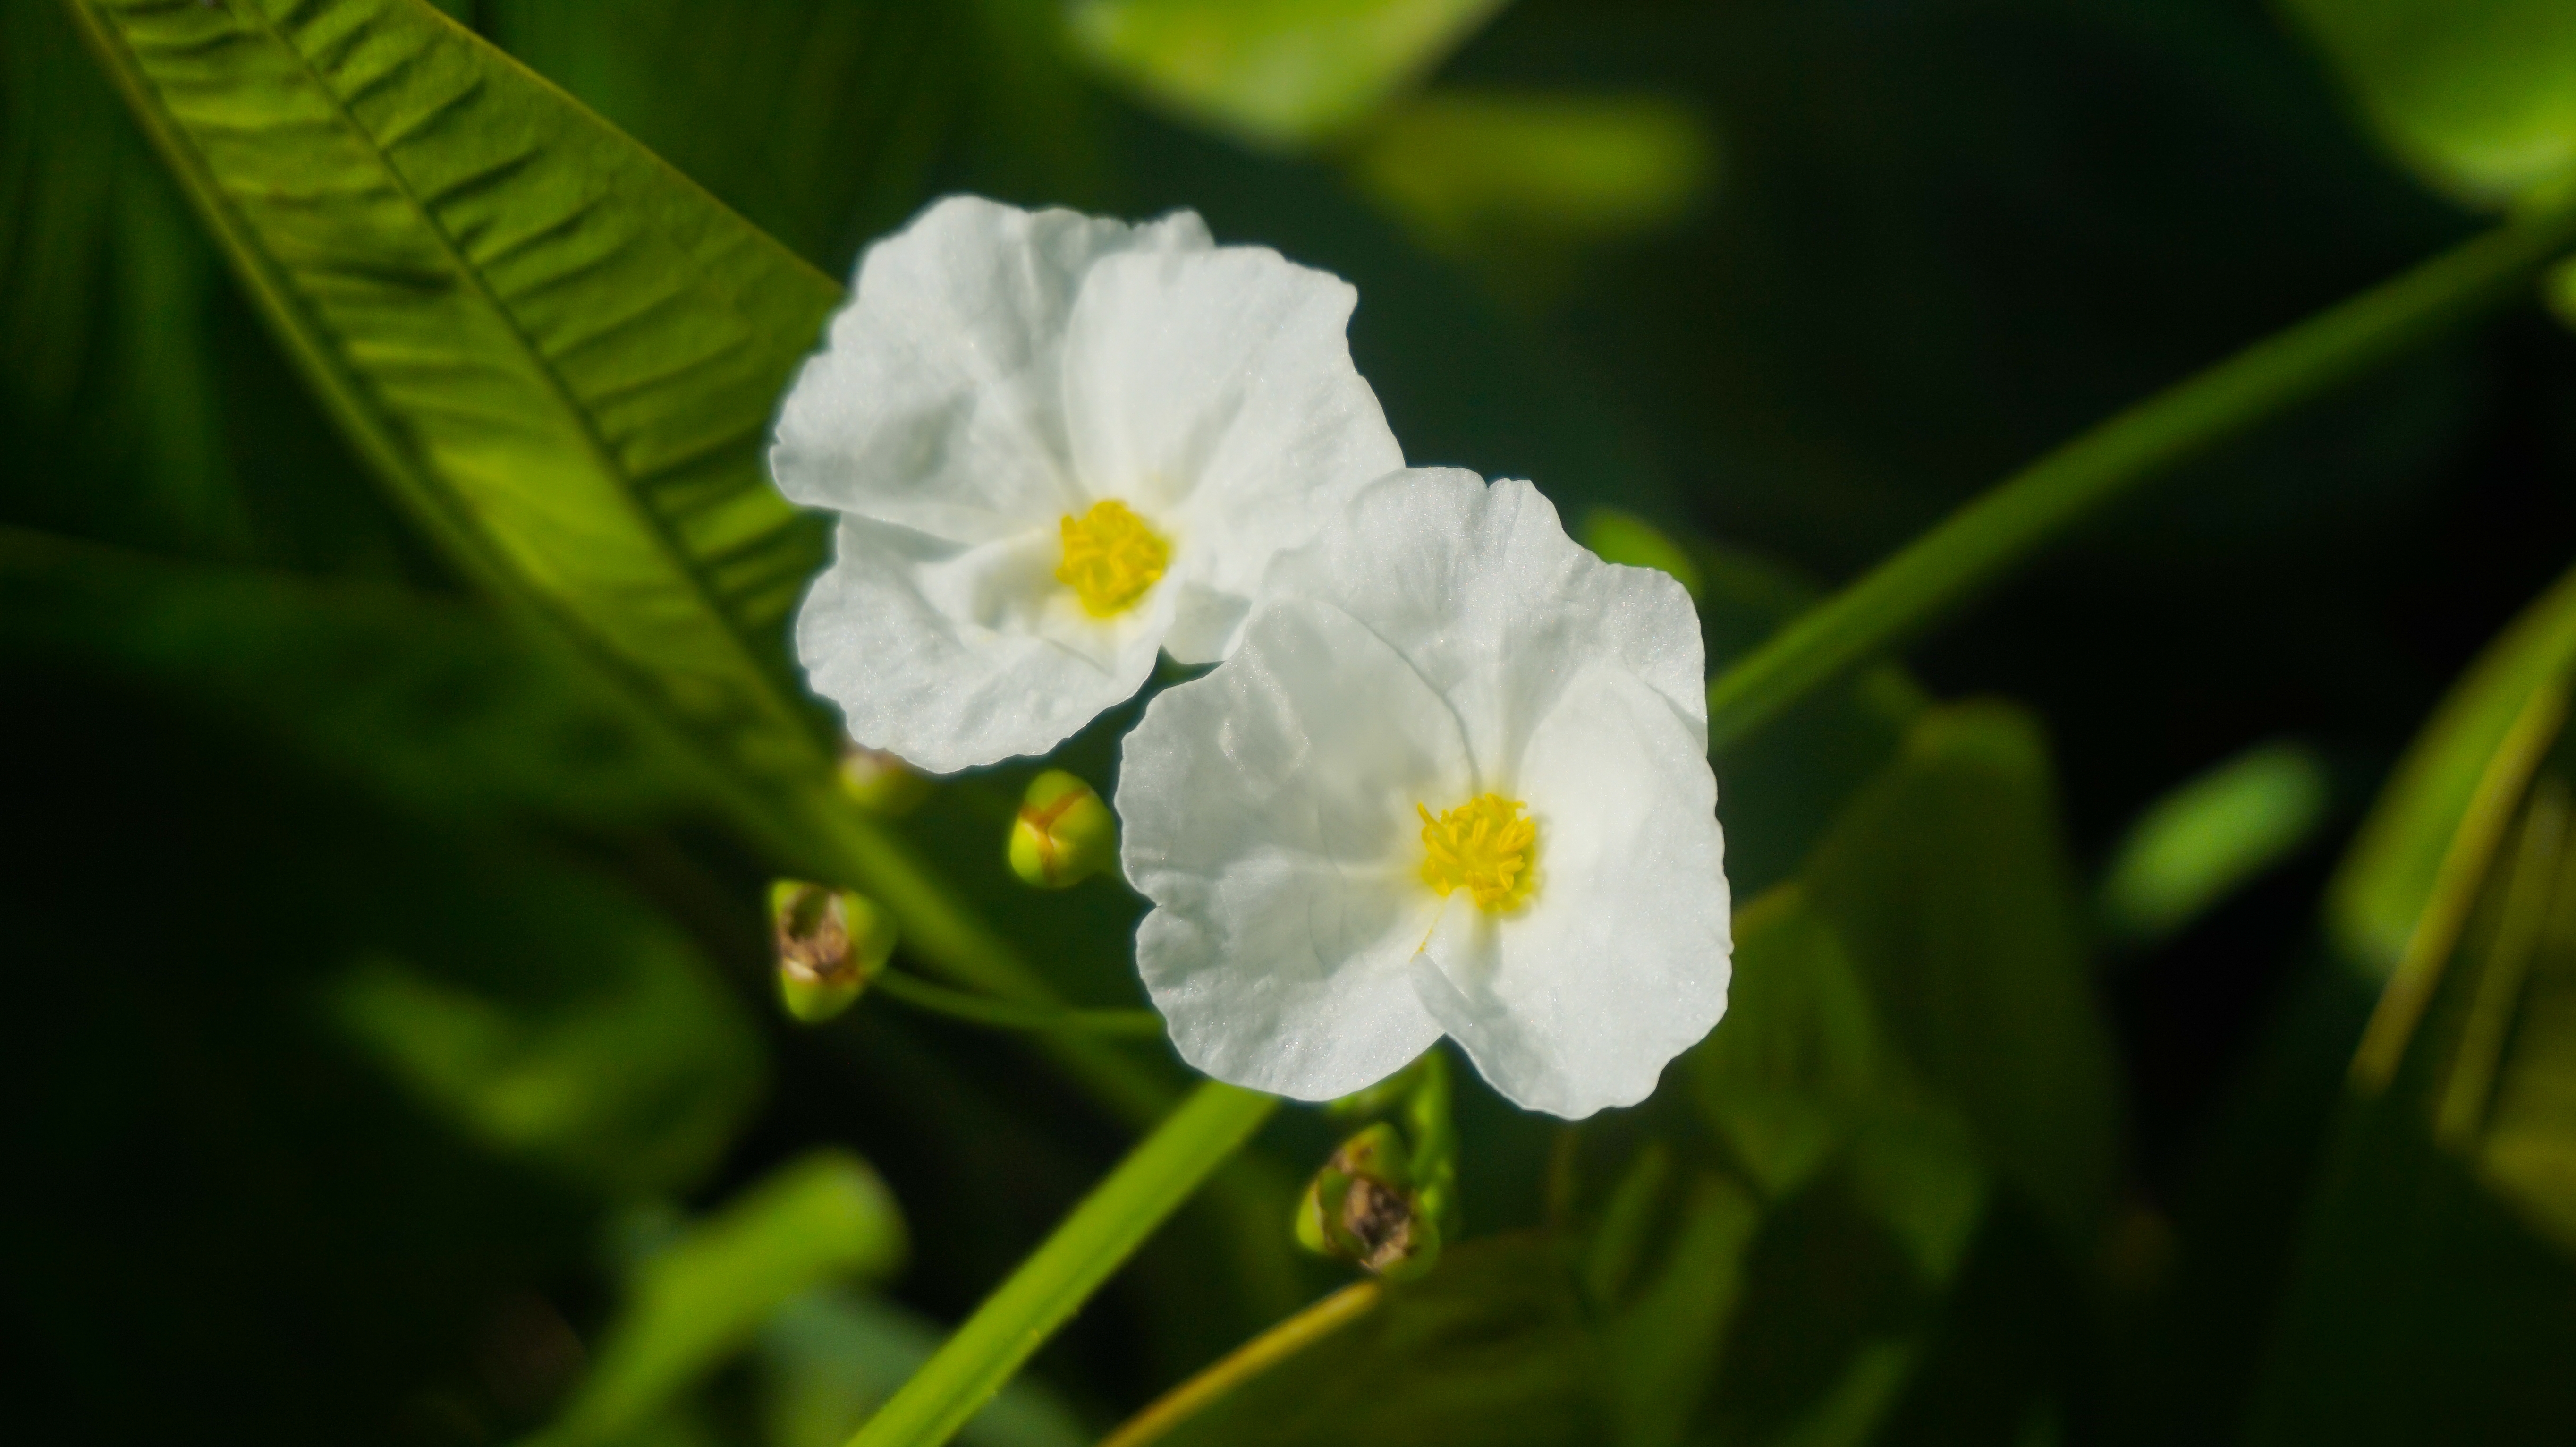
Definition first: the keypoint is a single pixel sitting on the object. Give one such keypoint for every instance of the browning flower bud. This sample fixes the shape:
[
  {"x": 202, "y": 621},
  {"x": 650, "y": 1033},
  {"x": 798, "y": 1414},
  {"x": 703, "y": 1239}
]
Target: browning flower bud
[
  {"x": 831, "y": 943},
  {"x": 1362, "y": 1208}
]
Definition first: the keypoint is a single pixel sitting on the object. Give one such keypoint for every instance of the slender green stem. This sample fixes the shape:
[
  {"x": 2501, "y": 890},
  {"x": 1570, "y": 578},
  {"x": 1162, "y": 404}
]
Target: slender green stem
[
  {"x": 1012, "y": 1015},
  {"x": 1053, "y": 1282},
  {"x": 1983, "y": 542},
  {"x": 1247, "y": 1361}
]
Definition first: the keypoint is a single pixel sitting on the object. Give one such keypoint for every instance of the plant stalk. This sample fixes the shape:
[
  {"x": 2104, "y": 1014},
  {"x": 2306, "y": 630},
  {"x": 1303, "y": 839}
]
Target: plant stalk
[
  {"x": 974, "y": 1009},
  {"x": 1246, "y": 1362},
  {"x": 1982, "y": 543},
  {"x": 1054, "y": 1281}
]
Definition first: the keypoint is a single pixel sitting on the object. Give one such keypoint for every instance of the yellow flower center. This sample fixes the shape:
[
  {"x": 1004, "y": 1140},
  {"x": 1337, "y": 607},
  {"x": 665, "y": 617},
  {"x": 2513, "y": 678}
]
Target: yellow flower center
[
  {"x": 1110, "y": 557},
  {"x": 1485, "y": 847}
]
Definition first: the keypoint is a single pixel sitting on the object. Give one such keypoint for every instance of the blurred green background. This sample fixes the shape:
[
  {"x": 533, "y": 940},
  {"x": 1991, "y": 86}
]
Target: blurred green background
[{"x": 392, "y": 1056}]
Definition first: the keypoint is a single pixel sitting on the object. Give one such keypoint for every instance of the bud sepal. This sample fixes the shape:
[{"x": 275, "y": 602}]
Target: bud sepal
[{"x": 1064, "y": 833}]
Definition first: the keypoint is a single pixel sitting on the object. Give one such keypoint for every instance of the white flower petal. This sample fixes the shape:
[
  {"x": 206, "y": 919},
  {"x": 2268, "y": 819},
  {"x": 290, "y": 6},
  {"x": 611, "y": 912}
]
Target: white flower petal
[
  {"x": 1215, "y": 388},
  {"x": 1482, "y": 591},
  {"x": 1268, "y": 811},
  {"x": 937, "y": 404},
  {"x": 1620, "y": 960},
  {"x": 951, "y": 655}
]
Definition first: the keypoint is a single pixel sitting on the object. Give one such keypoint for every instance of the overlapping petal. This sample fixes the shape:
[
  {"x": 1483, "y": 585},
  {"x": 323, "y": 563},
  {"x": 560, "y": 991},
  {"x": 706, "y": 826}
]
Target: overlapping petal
[
  {"x": 1570, "y": 686},
  {"x": 1269, "y": 813}
]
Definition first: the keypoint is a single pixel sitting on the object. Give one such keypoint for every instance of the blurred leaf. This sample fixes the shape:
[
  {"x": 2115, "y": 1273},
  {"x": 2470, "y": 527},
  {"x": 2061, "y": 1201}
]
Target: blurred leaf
[
  {"x": 2478, "y": 95},
  {"x": 1948, "y": 883},
  {"x": 2435, "y": 1292},
  {"x": 631, "y": 1080},
  {"x": 2381, "y": 887},
  {"x": 1276, "y": 72},
  {"x": 700, "y": 1299},
  {"x": 2209, "y": 837},
  {"x": 1625, "y": 538},
  {"x": 561, "y": 354},
  {"x": 438, "y": 708},
  {"x": 1517, "y": 180},
  {"x": 830, "y": 1358},
  {"x": 1490, "y": 1350}
]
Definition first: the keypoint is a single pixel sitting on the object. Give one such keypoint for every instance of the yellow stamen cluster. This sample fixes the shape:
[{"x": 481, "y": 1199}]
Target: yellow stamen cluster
[
  {"x": 1110, "y": 557},
  {"x": 1485, "y": 846}
]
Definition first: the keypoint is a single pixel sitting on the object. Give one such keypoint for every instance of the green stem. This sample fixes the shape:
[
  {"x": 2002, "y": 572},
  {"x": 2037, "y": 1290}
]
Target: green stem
[
  {"x": 1246, "y": 1362},
  {"x": 1053, "y": 1282},
  {"x": 1010, "y": 1014},
  {"x": 1984, "y": 541}
]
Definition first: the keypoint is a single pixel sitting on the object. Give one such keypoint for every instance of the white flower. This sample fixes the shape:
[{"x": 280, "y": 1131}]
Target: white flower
[
  {"x": 1455, "y": 780},
  {"x": 1058, "y": 443}
]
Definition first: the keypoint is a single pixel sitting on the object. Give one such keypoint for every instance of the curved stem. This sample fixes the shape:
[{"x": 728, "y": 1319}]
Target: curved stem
[
  {"x": 984, "y": 1010},
  {"x": 1984, "y": 541},
  {"x": 1068, "y": 1266},
  {"x": 1247, "y": 1361}
]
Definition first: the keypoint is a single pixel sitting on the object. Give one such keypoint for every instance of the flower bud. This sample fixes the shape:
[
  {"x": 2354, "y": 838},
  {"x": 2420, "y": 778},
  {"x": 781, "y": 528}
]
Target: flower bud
[
  {"x": 1361, "y": 1208},
  {"x": 831, "y": 943},
  {"x": 881, "y": 783},
  {"x": 1064, "y": 834}
]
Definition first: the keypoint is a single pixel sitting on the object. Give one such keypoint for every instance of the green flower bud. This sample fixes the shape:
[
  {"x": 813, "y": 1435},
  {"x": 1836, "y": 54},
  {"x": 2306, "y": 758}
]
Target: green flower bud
[
  {"x": 1064, "y": 834},
  {"x": 831, "y": 943},
  {"x": 1361, "y": 1208},
  {"x": 881, "y": 783}
]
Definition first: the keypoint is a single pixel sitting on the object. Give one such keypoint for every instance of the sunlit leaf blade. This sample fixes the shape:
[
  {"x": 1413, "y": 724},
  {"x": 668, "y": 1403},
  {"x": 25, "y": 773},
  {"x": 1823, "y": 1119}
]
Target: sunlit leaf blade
[
  {"x": 2478, "y": 95},
  {"x": 1281, "y": 72},
  {"x": 2210, "y": 836},
  {"x": 700, "y": 1299},
  {"x": 436, "y": 707},
  {"x": 1948, "y": 882},
  {"x": 2381, "y": 888},
  {"x": 561, "y": 353},
  {"x": 2434, "y": 1296}
]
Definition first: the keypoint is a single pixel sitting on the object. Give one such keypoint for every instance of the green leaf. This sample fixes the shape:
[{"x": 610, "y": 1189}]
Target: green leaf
[
  {"x": 2209, "y": 837},
  {"x": 1518, "y": 181},
  {"x": 822, "y": 1219},
  {"x": 1275, "y": 72},
  {"x": 563, "y": 357},
  {"x": 2382, "y": 886},
  {"x": 2434, "y": 1295},
  {"x": 555, "y": 1020},
  {"x": 561, "y": 354},
  {"x": 2477, "y": 95},
  {"x": 432, "y": 705},
  {"x": 1489, "y": 1350},
  {"x": 1948, "y": 883}
]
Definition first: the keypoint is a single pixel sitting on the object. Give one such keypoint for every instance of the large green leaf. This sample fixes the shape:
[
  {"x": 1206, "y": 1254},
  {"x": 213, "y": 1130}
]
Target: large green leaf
[
  {"x": 2435, "y": 1291},
  {"x": 2478, "y": 95},
  {"x": 2381, "y": 888},
  {"x": 700, "y": 1298},
  {"x": 562, "y": 354}
]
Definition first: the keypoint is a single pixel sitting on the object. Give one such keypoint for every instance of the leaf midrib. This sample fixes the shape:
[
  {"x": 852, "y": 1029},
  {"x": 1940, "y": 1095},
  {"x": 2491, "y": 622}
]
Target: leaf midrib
[{"x": 567, "y": 400}]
